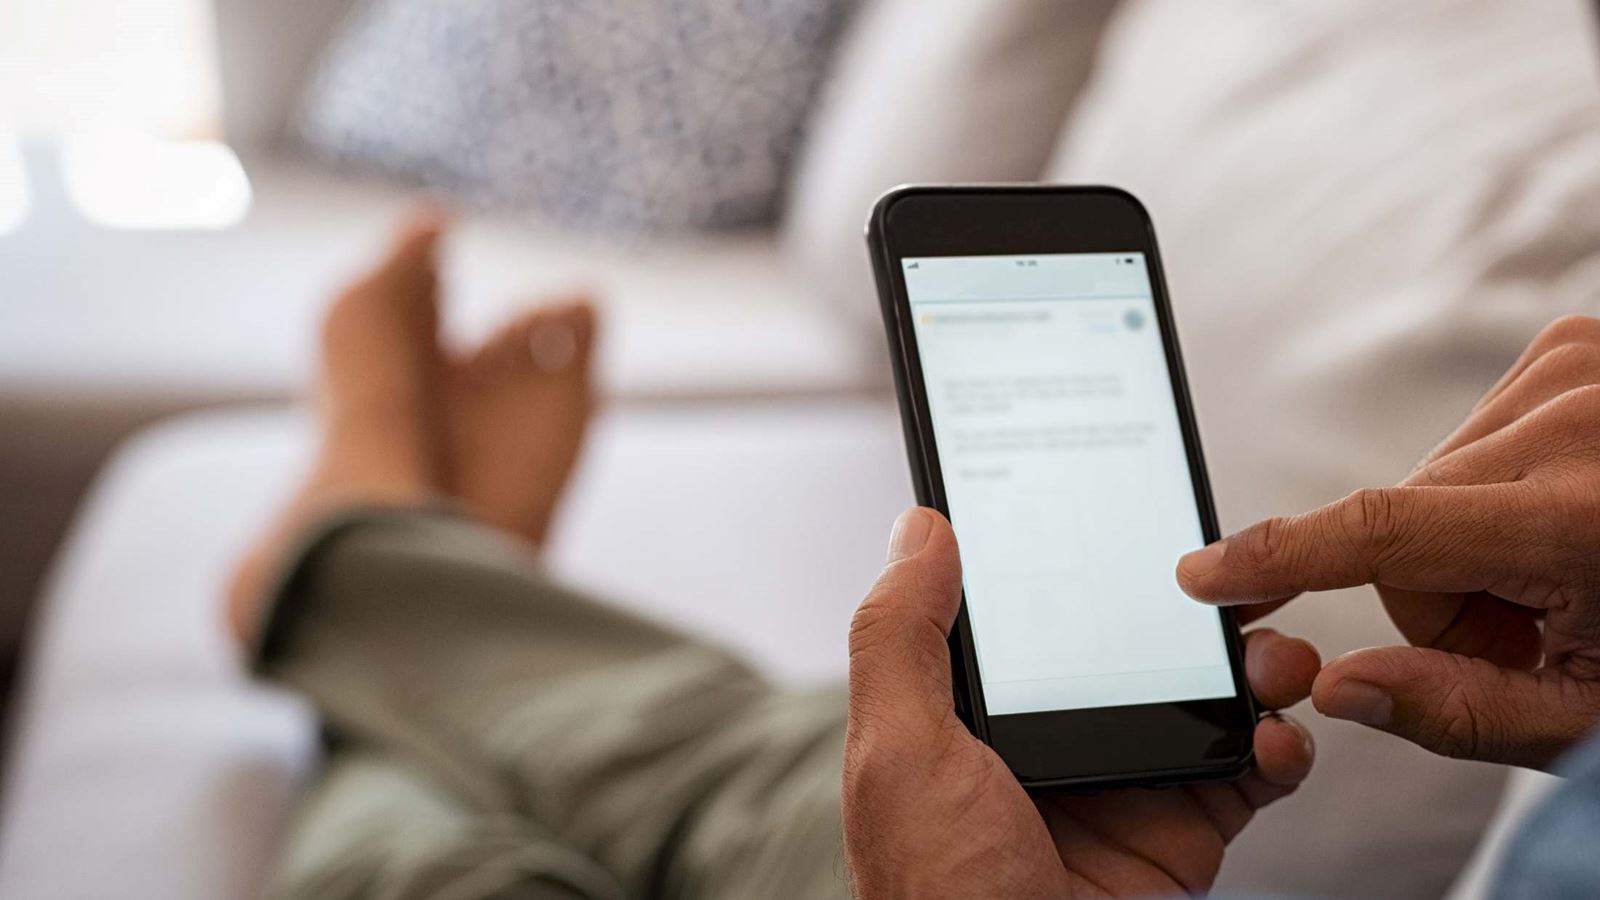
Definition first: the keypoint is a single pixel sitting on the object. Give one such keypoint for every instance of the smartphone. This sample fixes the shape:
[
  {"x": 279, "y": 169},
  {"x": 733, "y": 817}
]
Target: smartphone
[{"x": 1047, "y": 416}]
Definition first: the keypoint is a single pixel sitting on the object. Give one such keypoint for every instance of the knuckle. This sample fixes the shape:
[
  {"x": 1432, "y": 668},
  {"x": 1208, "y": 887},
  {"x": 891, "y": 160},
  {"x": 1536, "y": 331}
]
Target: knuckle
[
  {"x": 873, "y": 780},
  {"x": 1566, "y": 505},
  {"x": 868, "y": 759},
  {"x": 873, "y": 623},
  {"x": 1370, "y": 517},
  {"x": 1377, "y": 529},
  {"x": 1461, "y": 723},
  {"x": 1572, "y": 453},
  {"x": 967, "y": 773},
  {"x": 1563, "y": 439},
  {"x": 1260, "y": 543},
  {"x": 1557, "y": 525},
  {"x": 1570, "y": 328},
  {"x": 900, "y": 615},
  {"x": 869, "y": 738},
  {"x": 1435, "y": 473},
  {"x": 1567, "y": 363},
  {"x": 1457, "y": 732},
  {"x": 1369, "y": 511},
  {"x": 1572, "y": 410},
  {"x": 897, "y": 655}
]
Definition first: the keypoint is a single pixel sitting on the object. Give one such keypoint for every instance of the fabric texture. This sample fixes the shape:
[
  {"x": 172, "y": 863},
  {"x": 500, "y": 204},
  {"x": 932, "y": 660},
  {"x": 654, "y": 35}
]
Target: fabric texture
[
  {"x": 1552, "y": 856},
  {"x": 494, "y": 735},
  {"x": 930, "y": 90},
  {"x": 605, "y": 114},
  {"x": 1365, "y": 213}
]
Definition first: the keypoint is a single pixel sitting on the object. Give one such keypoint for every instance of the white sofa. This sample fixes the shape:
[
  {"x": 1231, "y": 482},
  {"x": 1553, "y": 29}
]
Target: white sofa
[
  {"x": 1360, "y": 233},
  {"x": 149, "y": 767}
]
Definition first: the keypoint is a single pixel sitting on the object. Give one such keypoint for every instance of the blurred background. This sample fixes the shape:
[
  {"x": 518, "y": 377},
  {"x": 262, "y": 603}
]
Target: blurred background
[{"x": 1365, "y": 210}]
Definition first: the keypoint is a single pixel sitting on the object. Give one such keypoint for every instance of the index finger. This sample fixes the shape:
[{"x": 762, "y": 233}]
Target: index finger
[{"x": 1449, "y": 538}]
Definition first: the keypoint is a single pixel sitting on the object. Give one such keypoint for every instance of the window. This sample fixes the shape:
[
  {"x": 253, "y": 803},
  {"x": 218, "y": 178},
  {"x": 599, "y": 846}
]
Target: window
[{"x": 127, "y": 93}]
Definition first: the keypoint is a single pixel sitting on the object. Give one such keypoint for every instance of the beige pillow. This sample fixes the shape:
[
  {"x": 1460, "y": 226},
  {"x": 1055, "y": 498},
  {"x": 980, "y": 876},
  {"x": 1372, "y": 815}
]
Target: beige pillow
[
  {"x": 1366, "y": 210},
  {"x": 929, "y": 90}
]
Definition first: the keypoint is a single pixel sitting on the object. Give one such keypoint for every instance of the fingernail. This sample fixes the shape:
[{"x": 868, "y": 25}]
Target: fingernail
[
  {"x": 910, "y": 533},
  {"x": 1358, "y": 701},
  {"x": 1199, "y": 563},
  {"x": 1306, "y": 742}
]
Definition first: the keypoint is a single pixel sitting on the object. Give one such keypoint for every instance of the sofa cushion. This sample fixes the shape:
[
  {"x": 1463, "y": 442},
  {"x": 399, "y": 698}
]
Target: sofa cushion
[
  {"x": 1364, "y": 217},
  {"x": 947, "y": 90},
  {"x": 622, "y": 114},
  {"x": 147, "y": 766}
]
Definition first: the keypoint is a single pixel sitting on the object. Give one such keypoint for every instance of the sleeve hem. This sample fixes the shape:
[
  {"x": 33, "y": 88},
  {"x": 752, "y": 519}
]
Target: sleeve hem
[{"x": 285, "y": 598}]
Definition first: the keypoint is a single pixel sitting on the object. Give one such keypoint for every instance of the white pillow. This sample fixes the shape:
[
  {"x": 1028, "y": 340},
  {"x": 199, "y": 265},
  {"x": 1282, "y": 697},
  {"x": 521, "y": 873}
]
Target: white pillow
[
  {"x": 1364, "y": 215},
  {"x": 930, "y": 90},
  {"x": 1366, "y": 209}
]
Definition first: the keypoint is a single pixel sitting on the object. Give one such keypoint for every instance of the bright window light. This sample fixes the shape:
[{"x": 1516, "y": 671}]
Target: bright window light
[
  {"x": 128, "y": 92},
  {"x": 122, "y": 179},
  {"x": 15, "y": 198},
  {"x": 149, "y": 65}
]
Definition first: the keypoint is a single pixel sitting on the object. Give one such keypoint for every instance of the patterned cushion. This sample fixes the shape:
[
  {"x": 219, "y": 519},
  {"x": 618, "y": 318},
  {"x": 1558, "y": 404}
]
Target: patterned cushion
[{"x": 604, "y": 114}]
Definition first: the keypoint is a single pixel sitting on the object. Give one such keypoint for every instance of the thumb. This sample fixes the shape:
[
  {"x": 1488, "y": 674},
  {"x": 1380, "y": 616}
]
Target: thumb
[
  {"x": 899, "y": 658},
  {"x": 1460, "y": 706}
]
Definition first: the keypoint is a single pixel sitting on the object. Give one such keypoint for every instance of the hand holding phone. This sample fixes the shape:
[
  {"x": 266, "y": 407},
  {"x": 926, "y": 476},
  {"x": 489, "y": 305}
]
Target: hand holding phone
[
  {"x": 929, "y": 811},
  {"x": 1047, "y": 415}
]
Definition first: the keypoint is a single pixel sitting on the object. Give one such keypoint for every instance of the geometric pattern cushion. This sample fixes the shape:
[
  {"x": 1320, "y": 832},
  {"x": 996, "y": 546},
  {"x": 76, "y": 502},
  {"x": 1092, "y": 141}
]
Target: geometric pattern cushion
[{"x": 617, "y": 115}]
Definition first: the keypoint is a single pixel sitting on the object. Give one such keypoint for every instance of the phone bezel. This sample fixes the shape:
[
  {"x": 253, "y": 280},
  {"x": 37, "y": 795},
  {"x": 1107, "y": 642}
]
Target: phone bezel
[{"x": 1162, "y": 743}]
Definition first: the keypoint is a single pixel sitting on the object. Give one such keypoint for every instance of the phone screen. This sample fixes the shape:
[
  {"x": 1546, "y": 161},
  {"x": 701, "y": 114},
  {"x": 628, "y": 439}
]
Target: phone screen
[{"x": 1066, "y": 478}]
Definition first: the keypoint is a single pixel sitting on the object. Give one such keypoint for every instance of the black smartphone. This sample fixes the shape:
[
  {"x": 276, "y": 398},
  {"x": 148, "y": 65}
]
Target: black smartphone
[{"x": 1047, "y": 415}]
